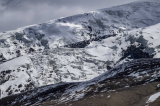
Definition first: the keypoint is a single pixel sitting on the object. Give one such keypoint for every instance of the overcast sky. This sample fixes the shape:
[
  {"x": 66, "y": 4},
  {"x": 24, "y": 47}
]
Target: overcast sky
[{"x": 19, "y": 13}]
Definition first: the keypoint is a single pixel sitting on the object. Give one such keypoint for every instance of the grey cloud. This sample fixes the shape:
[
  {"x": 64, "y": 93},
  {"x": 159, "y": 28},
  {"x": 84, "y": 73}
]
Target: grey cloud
[{"x": 18, "y": 13}]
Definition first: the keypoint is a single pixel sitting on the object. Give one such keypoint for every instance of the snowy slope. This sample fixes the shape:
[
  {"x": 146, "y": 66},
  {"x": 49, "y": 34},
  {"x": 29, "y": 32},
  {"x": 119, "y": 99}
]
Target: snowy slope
[
  {"x": 134, "y": 73},
  {"x": 43, "y": 59}
]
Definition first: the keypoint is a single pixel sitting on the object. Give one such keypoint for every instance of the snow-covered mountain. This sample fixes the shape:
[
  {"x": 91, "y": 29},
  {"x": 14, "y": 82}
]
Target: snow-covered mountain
[
  {"x": 78, "y": 48},
  {"x": 127, "y": 75}
]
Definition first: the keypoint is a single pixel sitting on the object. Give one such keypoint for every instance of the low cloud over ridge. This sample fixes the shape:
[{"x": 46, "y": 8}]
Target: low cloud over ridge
[{"x": 18, "y": 13}]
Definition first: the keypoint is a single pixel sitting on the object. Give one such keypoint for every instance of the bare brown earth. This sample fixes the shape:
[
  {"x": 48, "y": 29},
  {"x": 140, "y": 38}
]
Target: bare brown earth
[{"x": 131, "y": 96}]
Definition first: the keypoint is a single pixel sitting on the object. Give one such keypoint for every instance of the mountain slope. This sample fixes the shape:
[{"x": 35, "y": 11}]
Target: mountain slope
[
  {"x": 48, "y": 53},
  {"x": 130, "y": 74}
]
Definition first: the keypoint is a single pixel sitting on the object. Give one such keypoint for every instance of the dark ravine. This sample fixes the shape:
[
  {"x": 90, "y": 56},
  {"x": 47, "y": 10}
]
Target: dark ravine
[
  {"x": 85, "y": 43},
  {"x": 130, "y": 74}
]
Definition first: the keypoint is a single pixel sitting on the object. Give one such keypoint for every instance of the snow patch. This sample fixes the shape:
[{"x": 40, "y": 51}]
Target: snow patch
[
  {"x": 153, "y": 97},
  {"x": 14, "y": 63}
]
